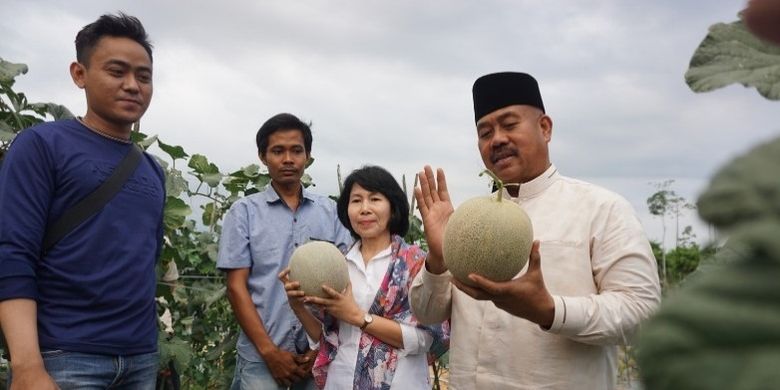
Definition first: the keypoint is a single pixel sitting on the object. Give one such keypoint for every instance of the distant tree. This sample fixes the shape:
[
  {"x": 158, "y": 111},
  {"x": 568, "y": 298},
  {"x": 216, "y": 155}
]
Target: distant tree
[{"x": 666, "y": 203}]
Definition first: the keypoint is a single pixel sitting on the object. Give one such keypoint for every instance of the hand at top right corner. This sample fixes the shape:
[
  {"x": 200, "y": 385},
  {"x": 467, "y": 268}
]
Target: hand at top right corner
[{"x": 435, "y": 207}]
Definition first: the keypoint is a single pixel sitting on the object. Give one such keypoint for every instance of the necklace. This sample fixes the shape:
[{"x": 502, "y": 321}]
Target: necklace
[{"x": 103, "y": 134}]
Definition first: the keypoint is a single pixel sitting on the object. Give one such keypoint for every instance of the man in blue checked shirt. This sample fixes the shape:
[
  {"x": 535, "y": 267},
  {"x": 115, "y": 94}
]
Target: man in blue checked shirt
[{"x": 259, "y": 234}]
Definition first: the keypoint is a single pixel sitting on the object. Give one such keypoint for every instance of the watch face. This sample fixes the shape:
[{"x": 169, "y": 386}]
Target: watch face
[{"x": 368, "y": 318}]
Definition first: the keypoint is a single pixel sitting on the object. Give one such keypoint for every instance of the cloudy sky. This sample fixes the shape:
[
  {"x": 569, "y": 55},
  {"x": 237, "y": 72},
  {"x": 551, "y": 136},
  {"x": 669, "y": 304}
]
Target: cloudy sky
[{"x": 388, "y": 82}]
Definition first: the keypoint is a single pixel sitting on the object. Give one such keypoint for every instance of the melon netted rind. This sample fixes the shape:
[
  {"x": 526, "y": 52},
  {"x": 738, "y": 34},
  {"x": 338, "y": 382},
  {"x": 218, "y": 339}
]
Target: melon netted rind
[
  {"x": 316, "y": 263},
  {"x": 488, "y": 237}
]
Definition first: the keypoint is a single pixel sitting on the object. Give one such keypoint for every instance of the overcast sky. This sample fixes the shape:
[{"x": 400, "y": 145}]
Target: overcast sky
[{"x": 389, "y": 82}]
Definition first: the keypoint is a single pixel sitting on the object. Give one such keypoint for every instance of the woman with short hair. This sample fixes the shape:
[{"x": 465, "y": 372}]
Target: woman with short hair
[{"x": 368, "y": 336}]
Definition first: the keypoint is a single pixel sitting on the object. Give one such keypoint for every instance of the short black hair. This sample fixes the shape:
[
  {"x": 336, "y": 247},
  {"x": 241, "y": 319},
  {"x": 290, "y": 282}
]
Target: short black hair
[
  {"x": 283, "y": 121},
  {"x": 119, "y": 25},
  {"x": 376, "y": 179}
]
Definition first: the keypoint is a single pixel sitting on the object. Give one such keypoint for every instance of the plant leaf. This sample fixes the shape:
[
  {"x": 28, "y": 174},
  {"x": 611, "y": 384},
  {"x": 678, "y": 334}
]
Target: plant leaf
[
  {"x": 175, "y": 152},
  {"x": 174, "y": 183},
  {"x": 6, "y": 136},
  {"x": 201, "y": 164},
  {"x": 307, "y": 181},
  {"x": 731, "y": 54},
  {"x": 262, "y": 180},
  {"x": 148, "y": 141},
  {"x": 9, "y": 70},
  {"x": 251, "y": 170},
  {"x": 175, "y": 212},
  {"x": 208, "y": 212},
  {"x": 56, "y": 111},
  {"x": 137, "y": 136},
  {"x": 174, "y": 349},
  {"x": 212, "y": 179}
]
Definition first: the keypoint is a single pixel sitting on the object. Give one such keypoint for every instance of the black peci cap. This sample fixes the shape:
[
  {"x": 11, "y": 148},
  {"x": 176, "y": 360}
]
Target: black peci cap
[{"x": 498, "y": 90}]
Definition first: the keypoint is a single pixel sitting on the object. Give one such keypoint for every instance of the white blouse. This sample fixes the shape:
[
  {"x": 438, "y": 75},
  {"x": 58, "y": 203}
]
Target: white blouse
[{"x": 412, "y": 369}]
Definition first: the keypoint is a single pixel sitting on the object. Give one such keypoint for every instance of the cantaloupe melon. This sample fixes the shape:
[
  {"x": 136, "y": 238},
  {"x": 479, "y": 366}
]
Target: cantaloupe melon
[
  {"x": 489, "y": 236},
  {"x": 316, "y": 263}
]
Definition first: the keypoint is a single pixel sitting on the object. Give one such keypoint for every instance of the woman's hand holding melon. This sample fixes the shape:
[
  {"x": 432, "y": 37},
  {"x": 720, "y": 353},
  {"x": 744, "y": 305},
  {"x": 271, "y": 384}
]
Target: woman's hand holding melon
[{"x": 340, "y": 305}]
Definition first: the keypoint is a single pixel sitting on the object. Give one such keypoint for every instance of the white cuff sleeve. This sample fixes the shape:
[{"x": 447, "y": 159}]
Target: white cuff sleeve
[
  {"x": 313, "y": 344},
  {"x": 438, "y": 281},
  {"x": 570, "y": 316},
  {"x": 561, "y": 312},
  {"x": 416, "y": 340}
]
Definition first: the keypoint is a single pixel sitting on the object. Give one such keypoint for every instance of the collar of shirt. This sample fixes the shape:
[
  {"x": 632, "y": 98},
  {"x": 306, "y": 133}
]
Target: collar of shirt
[
  {"x": 366, "y": 278},
  {"x": 355, "y": 256},
  {"x": 537, "y": 185},
  {"x": 271, "y": 196}
]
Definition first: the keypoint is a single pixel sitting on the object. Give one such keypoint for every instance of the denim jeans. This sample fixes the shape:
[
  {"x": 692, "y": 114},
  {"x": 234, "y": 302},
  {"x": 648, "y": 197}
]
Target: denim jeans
[
  {"x": 75, "y": 370},
  {"x": 257, "y": 376}
]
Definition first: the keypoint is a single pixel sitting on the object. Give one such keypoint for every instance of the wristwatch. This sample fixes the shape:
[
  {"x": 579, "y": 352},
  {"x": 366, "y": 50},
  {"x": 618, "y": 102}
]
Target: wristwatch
[{"x": 367, "y": 319}]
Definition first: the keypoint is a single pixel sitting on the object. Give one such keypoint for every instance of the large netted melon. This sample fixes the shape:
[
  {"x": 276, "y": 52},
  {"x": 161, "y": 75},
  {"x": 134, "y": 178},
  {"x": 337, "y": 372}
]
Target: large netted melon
[
  {"x": 316, "y": 263},
  {"x": 489, "y": 236}
]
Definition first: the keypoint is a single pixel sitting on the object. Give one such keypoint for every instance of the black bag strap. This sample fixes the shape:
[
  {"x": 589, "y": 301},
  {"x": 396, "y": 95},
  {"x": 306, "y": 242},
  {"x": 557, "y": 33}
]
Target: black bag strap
[{"x": 95, "y": 201}]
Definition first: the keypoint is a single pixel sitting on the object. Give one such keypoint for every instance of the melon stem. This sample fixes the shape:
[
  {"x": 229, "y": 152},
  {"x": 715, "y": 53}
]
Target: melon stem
[{"x": 499, "y": 183}]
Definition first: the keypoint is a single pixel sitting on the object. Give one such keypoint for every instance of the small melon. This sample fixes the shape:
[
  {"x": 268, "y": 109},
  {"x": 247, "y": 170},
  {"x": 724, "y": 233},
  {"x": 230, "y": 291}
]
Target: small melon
[
  {"x": 316, "y": 263},
  {"x": 488, "y": 236}
]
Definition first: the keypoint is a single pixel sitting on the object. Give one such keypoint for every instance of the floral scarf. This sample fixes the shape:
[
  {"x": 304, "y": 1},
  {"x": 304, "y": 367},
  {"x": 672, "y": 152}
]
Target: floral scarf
[{"x": 377, "y": 360}]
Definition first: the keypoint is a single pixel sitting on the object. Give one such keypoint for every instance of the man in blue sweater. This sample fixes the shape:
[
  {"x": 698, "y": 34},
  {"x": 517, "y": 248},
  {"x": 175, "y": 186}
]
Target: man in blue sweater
[{"x": 82, "y": 313}]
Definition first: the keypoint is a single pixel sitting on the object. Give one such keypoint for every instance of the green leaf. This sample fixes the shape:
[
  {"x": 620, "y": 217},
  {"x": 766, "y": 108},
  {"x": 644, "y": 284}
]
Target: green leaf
[
  {"x": 306, "y": 180},
  {"x": 174, "y": 349},
  {"x": 9, "y": 71},
  {"x": 235, "y": 184},
  {"x": 731, "y": 54},
  {"x": 212, "y": 179},
  {"x": 6, "y": 136},
  {"x": 208, "y": 212},
  {"x": 147, "y": 142},
  {"x": 212, "y": 250},
  {"x": 223, "y": 346},
  {"x": 137, "y": 136},
  {"x": 163, "y": 290},
  {"x": 194, "y": 258},
  {"x": 262, "y": 180},
  {"x": 58, "y": 111},
  {"x": 176, "y": 212},
  {"x": 176, "y": 152},
  {"x": 169, "y": 253},
  {"x": 201, "y": 164},
  {"x": 251, "y": 170},
  {"x": 55, "y": 110},
  {"x": 215, "y": 295},
  {"x": 4, "y": 125},
  {"x": 698, "y": 328},
  {"x": 174, "y": 183},
  {"x": 205, "y": 238},
  {"x": 19, "y": 102}
]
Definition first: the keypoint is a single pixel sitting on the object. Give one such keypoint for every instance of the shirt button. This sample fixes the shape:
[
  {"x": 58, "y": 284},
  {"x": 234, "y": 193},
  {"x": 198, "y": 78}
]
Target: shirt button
[
  {"x": 295, "y": 220},
  {"x": 296, "y": 244}
]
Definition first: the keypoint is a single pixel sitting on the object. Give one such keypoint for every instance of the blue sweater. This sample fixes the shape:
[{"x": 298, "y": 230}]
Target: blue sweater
[{"x": 95, "y": 289}]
